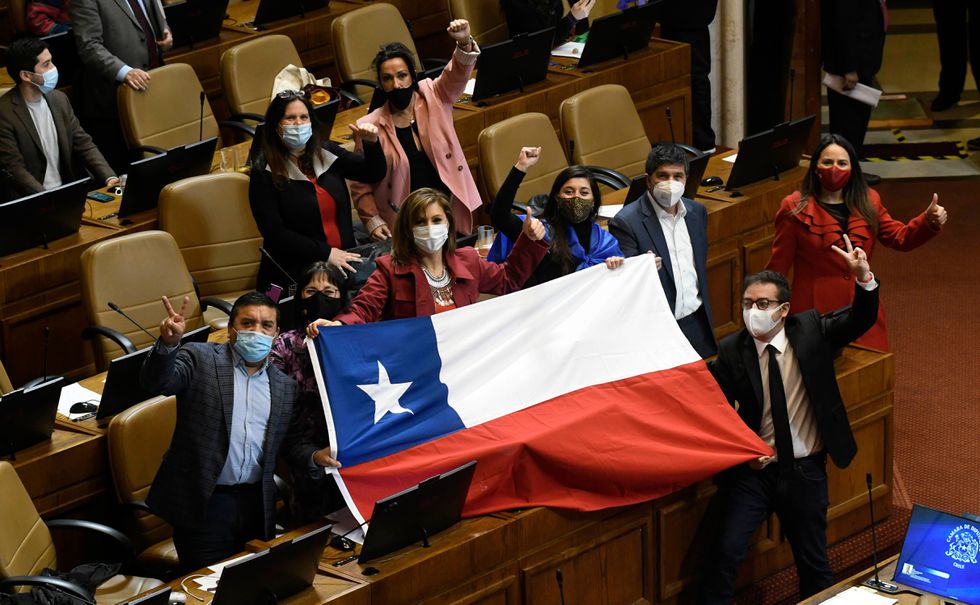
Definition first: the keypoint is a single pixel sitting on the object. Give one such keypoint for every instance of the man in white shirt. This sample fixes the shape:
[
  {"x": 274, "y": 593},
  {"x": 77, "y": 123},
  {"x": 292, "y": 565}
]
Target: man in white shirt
[
  {"x": 674, "y": 228},
  {"x": 779, "y": 372},
  {"x": 42, "y": 144}
]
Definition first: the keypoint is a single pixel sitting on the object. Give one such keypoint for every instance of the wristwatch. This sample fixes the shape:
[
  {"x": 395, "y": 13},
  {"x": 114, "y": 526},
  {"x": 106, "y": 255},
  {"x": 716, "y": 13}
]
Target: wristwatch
[{"x": 471, "y": 42}]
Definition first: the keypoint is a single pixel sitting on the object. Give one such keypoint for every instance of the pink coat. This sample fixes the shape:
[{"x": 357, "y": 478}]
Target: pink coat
[{"x": 378, "y": 203}]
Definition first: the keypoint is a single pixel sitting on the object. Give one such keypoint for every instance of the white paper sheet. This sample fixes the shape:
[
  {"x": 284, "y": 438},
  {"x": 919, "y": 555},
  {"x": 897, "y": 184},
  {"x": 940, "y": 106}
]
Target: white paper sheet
[
  {"x": 72, "y": 394},
  {"x": 860, "y": 595},
  {"x": 730, "y": 158},
  {"x": 470, "y": 85},
  {"x": 344, "y": 524},
  {"x": 609, "y": 210},
  {"x": 570, "y": 50},
  {"x": 865, "y": 94}
]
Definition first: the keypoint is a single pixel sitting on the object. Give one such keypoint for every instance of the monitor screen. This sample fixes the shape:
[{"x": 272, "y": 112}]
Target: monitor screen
[{"x": 941, "y": 555}]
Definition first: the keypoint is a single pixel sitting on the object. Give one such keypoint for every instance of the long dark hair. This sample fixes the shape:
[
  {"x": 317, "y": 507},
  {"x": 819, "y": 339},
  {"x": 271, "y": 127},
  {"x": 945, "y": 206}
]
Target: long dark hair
[
  {"x": 274, "y": 151},
  {"x": 557, "y": 224},
  {"x": 855, "y": 193}
]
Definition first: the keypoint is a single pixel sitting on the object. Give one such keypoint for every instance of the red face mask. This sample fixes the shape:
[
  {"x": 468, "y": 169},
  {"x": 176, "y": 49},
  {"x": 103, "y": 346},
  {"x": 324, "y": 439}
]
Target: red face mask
[{"x": 833, "y": 178}]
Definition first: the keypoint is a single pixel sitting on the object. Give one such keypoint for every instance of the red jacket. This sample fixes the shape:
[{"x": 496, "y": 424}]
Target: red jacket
[
  {"x": 44, "y": 18},
  {"x": 821, "y": 279},
  {"x": 396, "y": 291}
]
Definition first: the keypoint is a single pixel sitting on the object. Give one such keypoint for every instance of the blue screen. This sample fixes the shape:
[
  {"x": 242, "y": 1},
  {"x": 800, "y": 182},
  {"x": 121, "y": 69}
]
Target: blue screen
[{"x": 941, "y": 555}]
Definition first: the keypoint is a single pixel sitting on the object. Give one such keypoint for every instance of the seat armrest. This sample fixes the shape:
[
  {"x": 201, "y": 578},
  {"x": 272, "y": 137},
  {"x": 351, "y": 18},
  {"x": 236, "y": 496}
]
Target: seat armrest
[
  {"x": 123, "y": 544},
  {"x": 251, "y": 117},
  {"x": 218, "y": 303},
  {"x": 8, "y": 585},
  {"x": 117, "y": 337},
  {"x": 239, "y": 126},
  {"x": 609, "y": 177},
  {"x": 138, "y": 505},
  {"x": 351, "y": 85},
  {"x": 151, "y": 149}
]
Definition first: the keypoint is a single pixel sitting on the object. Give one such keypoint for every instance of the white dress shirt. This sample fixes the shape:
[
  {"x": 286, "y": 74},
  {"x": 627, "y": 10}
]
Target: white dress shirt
[{"x": 681, "y": 258}]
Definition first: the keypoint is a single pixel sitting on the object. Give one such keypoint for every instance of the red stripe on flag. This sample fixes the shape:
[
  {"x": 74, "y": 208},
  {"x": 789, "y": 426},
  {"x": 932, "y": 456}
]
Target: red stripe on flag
[{"x": 615, "y": 444}]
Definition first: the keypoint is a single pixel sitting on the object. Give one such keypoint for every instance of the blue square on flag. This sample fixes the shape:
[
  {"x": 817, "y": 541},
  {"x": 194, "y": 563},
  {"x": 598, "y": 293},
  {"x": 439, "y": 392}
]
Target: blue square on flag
[{"x": 384, "y": 388}]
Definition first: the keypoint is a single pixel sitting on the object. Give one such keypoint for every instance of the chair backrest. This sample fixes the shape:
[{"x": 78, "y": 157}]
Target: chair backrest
[
  {"x": 358, "y": 34},
  {"x": 134, "y": 271},
  {"x": 595, "y": 139},
  {"x": 168, "y": 112},
  {"x": 488, "y": 24},
  {"x": 17, "y": 9},
  {"x": 138, "y": 439},
  {"x": 25, "y": 542},
  {"x": 249, "y": 69},
  {"x": 210, "y": 219},
  {"x": 603, "y": 8},
  {"x": 500, "y": 143},
  {"x": 5, "y": 385}
]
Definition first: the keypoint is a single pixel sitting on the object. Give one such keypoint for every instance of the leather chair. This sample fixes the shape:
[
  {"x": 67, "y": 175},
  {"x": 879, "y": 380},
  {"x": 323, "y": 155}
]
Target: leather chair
[
  {"x": 138, "y": 438},
  {"x": 134, "y": 271},
  {"x": 603, "y": 8},
  {"x": 248, "y": 71},
  {"x": 499, "y": 144},
  {"x": 168, "y": 113},
  {"x": 488, "y": 24},
  {"x": 592, "y": 138},
  {"x": 26, "y": 547},
  {"x": 5, "y": 385},
  {"x": 210, "y": 219}
]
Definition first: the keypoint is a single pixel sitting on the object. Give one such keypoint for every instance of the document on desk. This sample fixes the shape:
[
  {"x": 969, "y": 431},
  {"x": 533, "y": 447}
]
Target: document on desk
[
  {"x": 470, "y": 87},
  {"x": 865, "y": 94},
  {"x": 610, "y": 210},
  {"x": 569, "y": 50},
  {"x": 860, "y": 595},
  {"x": 72, "y": 394}
]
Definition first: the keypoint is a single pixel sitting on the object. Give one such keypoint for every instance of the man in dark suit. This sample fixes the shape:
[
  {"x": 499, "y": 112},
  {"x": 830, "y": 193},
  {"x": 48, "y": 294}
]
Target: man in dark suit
[
  {"x": 41, "y": 143},
  {"x": 118, "y": 42},
  {"x": 234, "y": 412},
  {"x": 674, "y": 228},
  {"x": 779, "y": 370}
]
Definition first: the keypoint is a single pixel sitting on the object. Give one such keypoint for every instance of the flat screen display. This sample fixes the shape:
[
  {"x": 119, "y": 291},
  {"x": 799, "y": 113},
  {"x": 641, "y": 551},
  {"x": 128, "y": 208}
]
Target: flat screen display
[{"x": 941, "y": 555}]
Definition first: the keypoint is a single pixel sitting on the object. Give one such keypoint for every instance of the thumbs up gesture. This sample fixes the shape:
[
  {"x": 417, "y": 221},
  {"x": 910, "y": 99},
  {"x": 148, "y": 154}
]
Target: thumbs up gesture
[
  {"x": 533, "y": 228},
  {"x": 935, "y": 214}
]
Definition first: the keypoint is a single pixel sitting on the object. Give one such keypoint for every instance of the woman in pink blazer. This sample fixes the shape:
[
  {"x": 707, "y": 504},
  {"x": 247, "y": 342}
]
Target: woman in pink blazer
[{"x": 416, "y": 131}]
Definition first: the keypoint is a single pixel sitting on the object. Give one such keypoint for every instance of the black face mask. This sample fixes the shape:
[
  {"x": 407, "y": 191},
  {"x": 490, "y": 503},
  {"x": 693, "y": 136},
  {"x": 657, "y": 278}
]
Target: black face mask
[
  {"x": 399, "y": 98},
  {"x": 318, "y": 306}
]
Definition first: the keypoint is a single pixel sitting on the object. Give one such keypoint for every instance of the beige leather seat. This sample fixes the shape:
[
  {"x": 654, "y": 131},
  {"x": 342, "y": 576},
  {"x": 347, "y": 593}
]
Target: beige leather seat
[
  {"x": 26, "y": 547},
  {"x": 358, "y": 35},
  {"x": 500, "y": 143},
  {"x": 5, "y": 385},
  {"x": 138, "y": 439},
  {"x": 248, "y": 71},
  {"x": 134, "y": 271},
  {"x": 210, "y": 219},
  {"x": 603, "y": 8},
  {"x": 488, "y": 24},
  {"x": 593, "y": 139}
]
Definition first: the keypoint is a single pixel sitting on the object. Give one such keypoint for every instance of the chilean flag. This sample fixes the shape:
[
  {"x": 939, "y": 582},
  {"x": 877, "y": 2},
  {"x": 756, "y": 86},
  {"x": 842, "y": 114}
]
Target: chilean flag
[{"x": 580, "y": 393}]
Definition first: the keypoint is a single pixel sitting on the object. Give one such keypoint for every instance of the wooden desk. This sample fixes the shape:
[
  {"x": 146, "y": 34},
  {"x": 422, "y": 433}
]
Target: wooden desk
[
  {"x": 64, "y": 473},
  {"x": 886, "y": 571}
]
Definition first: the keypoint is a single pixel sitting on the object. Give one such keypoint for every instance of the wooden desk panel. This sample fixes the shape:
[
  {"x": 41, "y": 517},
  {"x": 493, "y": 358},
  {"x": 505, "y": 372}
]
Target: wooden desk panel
[{"x": 65, "y": 472}]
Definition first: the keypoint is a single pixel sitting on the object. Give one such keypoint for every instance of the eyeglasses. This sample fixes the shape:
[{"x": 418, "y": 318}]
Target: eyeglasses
[
  {"x": 761, "y": 304},
  {"x": 291, "y": 94}
]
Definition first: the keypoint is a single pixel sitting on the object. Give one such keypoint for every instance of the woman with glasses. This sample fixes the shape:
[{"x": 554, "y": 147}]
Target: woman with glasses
[
  {"x": 835, "y": 201},
  {"x": 297, "y": 192}
]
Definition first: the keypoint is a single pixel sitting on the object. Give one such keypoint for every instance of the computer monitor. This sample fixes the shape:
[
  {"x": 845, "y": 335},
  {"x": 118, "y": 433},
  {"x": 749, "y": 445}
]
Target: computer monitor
[
  {"x": 326, "y": 114},
  {"x": 619, "y": 34},
  {"x": 195, "y": 21},
  {"x": 190, "y": 160},
  {"x": 941, "y": 556},
  {"x": 41, "y": 218},
  {"x": 696, "y": 168},
  {"x": 157, "y": 597},
  {"x": 513, "y": 64},
  {"x": 147, "y": 177},
  {"x": 417, "y": 513},
  {"x": 768, "y": 153},
  {"x": 276, "y": 10},
  {"x": 27, "y": 416}
]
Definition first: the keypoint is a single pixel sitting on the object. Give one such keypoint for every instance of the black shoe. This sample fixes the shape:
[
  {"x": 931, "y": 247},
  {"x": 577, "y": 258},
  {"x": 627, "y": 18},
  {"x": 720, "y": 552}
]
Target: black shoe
[
  {"x": 973, "y": 144},
  {"x": 943, "y": 102},
  {"x": 874, "y": 179}
]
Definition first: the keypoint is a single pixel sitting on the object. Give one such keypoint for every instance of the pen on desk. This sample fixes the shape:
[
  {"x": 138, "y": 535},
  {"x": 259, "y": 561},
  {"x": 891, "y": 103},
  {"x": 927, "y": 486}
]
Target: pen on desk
[{"x": 713, "y": 189}]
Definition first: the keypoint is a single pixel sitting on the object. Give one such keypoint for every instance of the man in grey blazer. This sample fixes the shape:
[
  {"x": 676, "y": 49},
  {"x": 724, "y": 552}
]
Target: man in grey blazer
[
  {"x": 674, "y": 228},
  {"x": 118, "y": 42},
  {"x": 42, "y": 144},
  {"x": 234, "y": 413}
]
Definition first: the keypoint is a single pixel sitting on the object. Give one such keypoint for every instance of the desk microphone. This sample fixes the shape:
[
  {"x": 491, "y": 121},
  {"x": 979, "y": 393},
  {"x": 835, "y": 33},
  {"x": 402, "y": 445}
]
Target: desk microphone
[
  {"x": 560, "y": 579},
  {"x": 116, "y": 308},
  {"x": 792, "y": 80},
  {"x": 200, "y": 125},
  {"x": 266, "y": 254},
  {"x": 670, "y": 124},
  {"x": 876, "y": 582},
  {"x": 44, "y": 358}
]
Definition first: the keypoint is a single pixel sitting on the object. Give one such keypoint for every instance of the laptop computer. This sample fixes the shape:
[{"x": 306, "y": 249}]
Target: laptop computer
[
  {"x": 27, "y": 416},
  {"x": 146, "y": 178},
  {"x": 195, "y": 21},
  {"x": 941, "y": 556},
  {"x": 513, "y": 64},
  {"x": 159, "y": 597},
  {"x": 41, "y": 218},
  {"x": 619, "y": 34},
  {"x": 418, "y": 512}
]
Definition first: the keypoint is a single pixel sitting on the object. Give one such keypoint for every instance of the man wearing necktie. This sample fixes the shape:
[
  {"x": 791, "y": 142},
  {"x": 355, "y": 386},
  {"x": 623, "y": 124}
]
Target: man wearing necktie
[
  {"x": 779, "y": 372},
  {"x": 119, "y": 42}
]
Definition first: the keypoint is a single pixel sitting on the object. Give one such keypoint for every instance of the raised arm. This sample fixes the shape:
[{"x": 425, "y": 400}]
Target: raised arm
[{"x": 501, "y": 217}]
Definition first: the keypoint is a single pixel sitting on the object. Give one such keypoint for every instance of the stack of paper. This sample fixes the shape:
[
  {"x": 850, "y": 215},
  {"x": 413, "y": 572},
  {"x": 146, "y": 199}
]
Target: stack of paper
[{"x": 860, "y": 595}]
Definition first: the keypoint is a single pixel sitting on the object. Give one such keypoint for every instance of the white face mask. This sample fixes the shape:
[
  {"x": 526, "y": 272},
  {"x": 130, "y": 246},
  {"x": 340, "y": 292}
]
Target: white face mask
[
  {"x": 668, "y": 193},
  {"x": 760, "y": 323},
  {"x": 430, "y": 238}
]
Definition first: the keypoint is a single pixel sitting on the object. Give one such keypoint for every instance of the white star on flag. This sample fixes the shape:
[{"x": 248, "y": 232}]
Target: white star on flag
[{"x": 386, "y": 395}]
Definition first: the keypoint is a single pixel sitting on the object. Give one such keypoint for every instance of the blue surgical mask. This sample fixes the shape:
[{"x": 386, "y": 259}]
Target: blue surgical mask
[
  {"x": 253, "y": 346},
  {"x": 296, "y": 136},
  {"x": 50, "y": 80}
]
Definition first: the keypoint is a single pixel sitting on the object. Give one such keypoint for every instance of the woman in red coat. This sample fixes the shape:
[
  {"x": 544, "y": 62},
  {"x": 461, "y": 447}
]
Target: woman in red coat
[{"x": 836, "y": 200}]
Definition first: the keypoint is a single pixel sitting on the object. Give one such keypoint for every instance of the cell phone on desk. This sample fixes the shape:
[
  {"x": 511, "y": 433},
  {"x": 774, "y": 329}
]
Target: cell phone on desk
[{"x": 98, "y": 196}]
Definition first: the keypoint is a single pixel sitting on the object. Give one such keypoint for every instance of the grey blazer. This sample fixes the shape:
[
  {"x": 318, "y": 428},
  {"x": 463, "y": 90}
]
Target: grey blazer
[
  {"x": 22, "y": 161},
  {"x": 201, "y": 376},
  {"x": 108, "y": 36}
]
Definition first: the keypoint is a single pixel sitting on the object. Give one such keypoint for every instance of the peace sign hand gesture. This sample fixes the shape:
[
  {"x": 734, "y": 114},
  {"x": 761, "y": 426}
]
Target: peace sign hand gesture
[
  {"x": 857, "y": 260},
  {"x": 173, "y": 326}
]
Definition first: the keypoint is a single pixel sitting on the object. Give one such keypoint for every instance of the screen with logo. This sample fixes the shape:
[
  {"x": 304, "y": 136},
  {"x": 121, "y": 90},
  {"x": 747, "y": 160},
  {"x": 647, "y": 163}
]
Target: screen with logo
[{"x": 941, "y": 555}]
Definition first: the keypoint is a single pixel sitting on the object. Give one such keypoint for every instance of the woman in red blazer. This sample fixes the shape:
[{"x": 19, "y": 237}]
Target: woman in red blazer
[
  {"x": 835, "y": 200},
  {"x": 426, "y": 274}
]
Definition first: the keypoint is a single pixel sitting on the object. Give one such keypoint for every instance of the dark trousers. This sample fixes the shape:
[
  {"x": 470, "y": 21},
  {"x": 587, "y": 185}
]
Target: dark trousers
[
  {"x": 697, "y": 328},
  {"x": 107, "y": 135},
  {"x": 958, "y": 32},
  {"x": 773, "y": 23},
  {"x": 849, "y": 118},
  {"x": 700, "y": 41},
  {"x": 234, "y": 517},
  {"x": 798, "y": 497}
]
